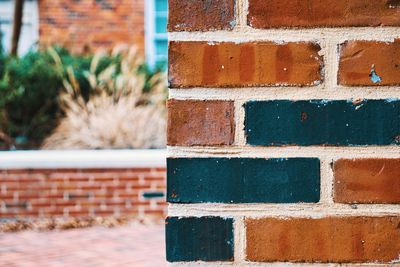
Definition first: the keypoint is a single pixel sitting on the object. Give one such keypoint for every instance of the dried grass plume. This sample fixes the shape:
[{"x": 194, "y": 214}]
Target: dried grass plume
[{"x": 119, "y": 112}]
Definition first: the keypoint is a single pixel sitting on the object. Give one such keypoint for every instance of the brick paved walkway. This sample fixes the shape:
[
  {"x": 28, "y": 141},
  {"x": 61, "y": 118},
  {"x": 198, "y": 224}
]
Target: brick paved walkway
[{"x": 133, "y": 246}]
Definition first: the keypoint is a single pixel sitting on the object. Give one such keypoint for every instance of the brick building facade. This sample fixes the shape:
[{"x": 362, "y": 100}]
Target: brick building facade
[
  {"x": 91, "y": 24},
  {"x": 86, "y": 25}
]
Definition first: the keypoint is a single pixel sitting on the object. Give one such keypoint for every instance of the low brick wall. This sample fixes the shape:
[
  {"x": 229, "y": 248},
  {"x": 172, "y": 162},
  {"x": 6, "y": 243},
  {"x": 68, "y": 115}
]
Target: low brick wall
[{"x": 135, "y": 191}]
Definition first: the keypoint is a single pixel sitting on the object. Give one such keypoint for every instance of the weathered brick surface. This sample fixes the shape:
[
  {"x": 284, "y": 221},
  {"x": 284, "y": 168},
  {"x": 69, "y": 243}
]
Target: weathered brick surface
[
  {"x": 370, "y": 63},
  {"x": 226, "y": 64},
  {"x": 243, "y": 180},
  {"x": 332, "y": 239},
  {"x": 200, "y": 122},
  {"x": 323, "y": 122},
  {"x": 367, "y": 181},
  {"x": 317, "y": 13},
  {"x": 205, "y": 239},
  {"x": 86, "y": 24},
  {"x": 82, "y": 192},
  {"x": 209, "y": 15},
  {"x": 341, "y": 127}
]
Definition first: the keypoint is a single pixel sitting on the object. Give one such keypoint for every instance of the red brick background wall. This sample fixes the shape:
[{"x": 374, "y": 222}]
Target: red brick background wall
[
  {"x": 85, "y": 24},
  {"x": 82, "y": 192}
]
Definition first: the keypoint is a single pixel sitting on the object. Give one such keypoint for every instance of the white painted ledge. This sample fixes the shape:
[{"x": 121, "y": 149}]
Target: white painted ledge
[{"x": 42, "y": 159}]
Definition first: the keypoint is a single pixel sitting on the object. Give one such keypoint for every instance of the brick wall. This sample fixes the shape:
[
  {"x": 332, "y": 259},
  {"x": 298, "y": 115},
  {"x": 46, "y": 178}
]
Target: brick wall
[
  {"x": 87, "y": 24},
  {"x": 43, "y": 193},
  {"x": 284, "y": 132}
]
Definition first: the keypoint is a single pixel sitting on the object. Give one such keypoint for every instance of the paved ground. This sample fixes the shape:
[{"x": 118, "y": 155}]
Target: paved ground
[{"x": 133, "y": 246}]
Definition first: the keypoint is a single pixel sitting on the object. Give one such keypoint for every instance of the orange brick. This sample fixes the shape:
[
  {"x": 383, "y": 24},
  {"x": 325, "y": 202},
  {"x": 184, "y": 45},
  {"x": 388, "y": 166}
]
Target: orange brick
[
  {"x": 317, "y": 13},
  {"x": 369, "y": 63},
  {"x": 225, "y": 64},
  {"x": 332, "y": 239},
  {"x": 367, "y": 181}
]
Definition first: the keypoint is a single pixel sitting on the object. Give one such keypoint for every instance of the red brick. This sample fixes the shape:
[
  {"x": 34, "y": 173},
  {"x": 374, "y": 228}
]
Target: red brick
[
  {"x": 367, "y": 181},
  {"x": 79, "y": 213},
  {"x": 317, "y": 13},
  {"x": 359, "y": 58},
  {"x": 200, "y": 123},
  {"x": 226, "y": 64},
  {"x": 125, "y": 195},
  {"x": 194, "y": 15},
  {"x": 40, "y": 203},
  {"x": 8, "y": 196},
  {"x": 158, "y": 213},
  {"x": 332, "y": 239},
  {"x": 65, "y": 203},
  {"x": 53, "y": 212},
  {"x": 90, "y": 187},
  {"x": 129, "y": 211},
  {"x": 140, "y": 203},
  {"x": 18, "y": 214},
  {"x": 107, "y": 212}
]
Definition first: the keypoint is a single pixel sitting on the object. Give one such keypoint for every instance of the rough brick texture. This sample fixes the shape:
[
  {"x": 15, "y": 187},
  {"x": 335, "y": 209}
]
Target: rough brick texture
[
  {"x": 86, "y": 24},
  {"x": 282, "y": 122},
  {"x": 317, "y": 13},
  {"x": 82, "y": 192},
  {"x": 370, "y": 63},
  {"x": 209, "y": 15},
  {"x": 200, "y": 123},
  {"x": 332, "y": 239},
  {"x": 367, "y": 181},
  {"x": 205, "y": 239},
  {"x": 310, "y": 169},
  {"x": 202, "y": 64},
  {"x": 243, "y": 180}
]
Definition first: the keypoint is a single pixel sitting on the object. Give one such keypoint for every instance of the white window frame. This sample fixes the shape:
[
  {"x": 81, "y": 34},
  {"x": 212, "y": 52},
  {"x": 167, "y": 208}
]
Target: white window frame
[
  {"x": 150, "y": 33},
  {"x": 30, "y": 17}
]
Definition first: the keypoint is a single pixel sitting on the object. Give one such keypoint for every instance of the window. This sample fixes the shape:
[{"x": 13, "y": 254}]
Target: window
[
  {"x": 30, "y": 28},
  {"x": 156, "y": 16}
]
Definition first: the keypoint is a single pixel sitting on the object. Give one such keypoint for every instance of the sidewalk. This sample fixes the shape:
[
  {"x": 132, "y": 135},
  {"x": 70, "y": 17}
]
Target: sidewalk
[{"x": 133, "y": 246}]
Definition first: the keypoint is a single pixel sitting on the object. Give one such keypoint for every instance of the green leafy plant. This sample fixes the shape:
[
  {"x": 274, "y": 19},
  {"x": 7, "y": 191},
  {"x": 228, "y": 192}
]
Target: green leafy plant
[{"x": 29, "y": 87}]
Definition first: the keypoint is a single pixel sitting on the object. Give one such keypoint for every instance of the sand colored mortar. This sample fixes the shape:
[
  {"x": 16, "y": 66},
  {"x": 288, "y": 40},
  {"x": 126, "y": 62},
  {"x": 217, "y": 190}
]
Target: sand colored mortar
[{"x": 329, "y": 40}]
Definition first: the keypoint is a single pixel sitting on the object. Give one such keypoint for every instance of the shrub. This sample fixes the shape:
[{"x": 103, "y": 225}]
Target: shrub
[{"x": 30, "y": 87}]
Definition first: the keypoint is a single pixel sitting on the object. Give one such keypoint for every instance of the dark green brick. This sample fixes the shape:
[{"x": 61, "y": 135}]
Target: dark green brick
[
  {"x": 199, "y": 239},
  {"x": 153, "y": 194},
  {"x": 321, "y": 122},
  {"x": 243, "y": 180}
]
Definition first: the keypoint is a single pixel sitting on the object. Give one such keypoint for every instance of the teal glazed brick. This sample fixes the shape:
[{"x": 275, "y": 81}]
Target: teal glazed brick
[
  {"x": 199, "y": 239},
  {"x": 322, "y": 122},
  {"x": 153, "y": 194},
  {"x": 243, "y": 180}
]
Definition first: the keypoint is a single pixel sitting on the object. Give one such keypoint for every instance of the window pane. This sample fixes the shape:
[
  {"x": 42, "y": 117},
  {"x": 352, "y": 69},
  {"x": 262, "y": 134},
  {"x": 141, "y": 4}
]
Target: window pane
[
  {"x": 161, "y": 5},
  {"x": 161, "y": 62},
  {"x": 161, "y": 24},
  {"x": 161, "y": 47},
  {"x": 29, "y": 33}
]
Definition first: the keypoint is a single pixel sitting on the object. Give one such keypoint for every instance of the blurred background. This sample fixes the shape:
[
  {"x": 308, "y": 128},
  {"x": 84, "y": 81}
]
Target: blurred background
[{"x": 83, "y": 89}]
